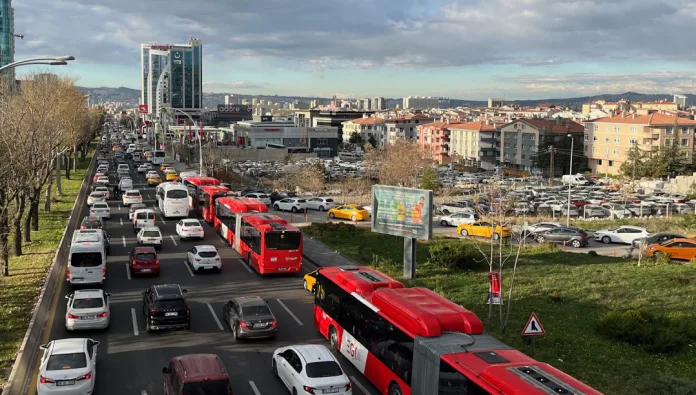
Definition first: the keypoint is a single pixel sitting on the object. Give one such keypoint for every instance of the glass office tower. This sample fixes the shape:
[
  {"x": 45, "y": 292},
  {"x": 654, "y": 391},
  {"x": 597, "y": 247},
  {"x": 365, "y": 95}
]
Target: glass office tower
[{"x": 7, "y": 36}]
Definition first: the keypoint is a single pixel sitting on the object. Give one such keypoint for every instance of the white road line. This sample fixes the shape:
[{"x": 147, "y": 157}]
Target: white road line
[
  {"x": 143, "y": 392},
  {"x": 162, "y": 219},
  {"x": 253, "y": 387},
  {"x": 119, "y": 207},
  {"x": 188, "y": 268},
  {"x": 121, "y": 220},
  {"x": 128, "y": 272},
  {"x": 217, "y": 321},
  {"x": 135, "y": 322},
  {"x": 290, "y": 312},
  {"x": 245, "y": 266},
  {"x": 173, "y": 241},
  {"x": 123, "y": 238},
  {"x": 357, "y": 383}
]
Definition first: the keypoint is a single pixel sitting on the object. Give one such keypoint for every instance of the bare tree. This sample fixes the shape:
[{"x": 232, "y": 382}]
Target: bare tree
[{"x": 400, "y": 164}]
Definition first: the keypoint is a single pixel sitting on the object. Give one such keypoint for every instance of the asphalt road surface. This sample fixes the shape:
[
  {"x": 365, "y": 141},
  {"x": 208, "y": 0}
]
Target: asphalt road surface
[{"x": 130, "y": 360}]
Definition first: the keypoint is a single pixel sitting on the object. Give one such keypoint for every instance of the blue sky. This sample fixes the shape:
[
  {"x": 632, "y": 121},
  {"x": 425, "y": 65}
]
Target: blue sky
[{"x": 362, "y": 48}]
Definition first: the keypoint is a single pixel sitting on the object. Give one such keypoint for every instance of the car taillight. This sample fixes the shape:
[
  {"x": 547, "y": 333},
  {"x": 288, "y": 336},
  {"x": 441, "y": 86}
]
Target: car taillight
[
  {"x": 154, "y": 311},
  {"x": 103, "y": 315},
  {"x": 274, "y": 323},
  {"x": 349, "y": 386},
  {"x": 217, "y": 258},
  {"x": 308, "y": 389},
  {"x": 197, "y": 259},
  {"x": 83, "y": 227},
  {"x": 243, "y": 324},
  {"x": 104, "y": 270},
  {"x": 68, "y": 272},
  {"x": 73, "y": 316},
  {"x": 88, "y": 376},
  {"x": 44, "y": 380},
  {"x": 157, "y": 262}
]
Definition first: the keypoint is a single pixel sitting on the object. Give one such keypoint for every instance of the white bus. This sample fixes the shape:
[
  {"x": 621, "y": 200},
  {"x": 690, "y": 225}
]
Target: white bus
[
  {"x": 172, "y": 199},
  {"x": 157, "y": 157}
]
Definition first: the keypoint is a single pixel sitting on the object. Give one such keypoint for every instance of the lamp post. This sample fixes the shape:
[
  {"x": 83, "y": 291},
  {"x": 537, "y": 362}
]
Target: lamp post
[
  {"x": 570, "y": 183},
  {"x": 52, "y": 61},
  {"x": 200, "y": 142}
]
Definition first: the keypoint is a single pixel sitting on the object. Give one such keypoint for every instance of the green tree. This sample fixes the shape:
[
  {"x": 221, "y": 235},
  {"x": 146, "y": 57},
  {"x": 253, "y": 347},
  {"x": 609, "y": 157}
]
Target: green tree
[
  {"x": 669, "y": 160},
  {"x": 636, "y": 164},
  {"x": 430, "y": 179},
  {"x": 356, "y": 138},
  {"x": 372, "y": 141},
  {"x": 561, "y": 154}
]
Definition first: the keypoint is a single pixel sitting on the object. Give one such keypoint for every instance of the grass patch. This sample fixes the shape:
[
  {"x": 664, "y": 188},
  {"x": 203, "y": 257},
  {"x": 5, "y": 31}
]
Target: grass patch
[
  {"x": 19, "y": 291},
  {"x": 572, "y": 294}
]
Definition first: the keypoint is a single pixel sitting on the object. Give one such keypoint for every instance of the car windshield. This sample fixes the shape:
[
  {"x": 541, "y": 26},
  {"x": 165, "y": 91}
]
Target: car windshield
[
  {"x": 67, "y": 361},
  {"x": 85, "y": 259},
  {"x": 283, "y": 240},
  {"x": 151, "y": 233},
  {"x": 132, "y": 193},
  {"x": 88, "y": 303},
  {"x": 146, "y": 256},
  {"x": 177, "y": 195},
  {"x": 250, "y": 311},
  {"x": 192, "y": 223},
  {"x": 207, "y": 387},
  {"x": 207, "y": 254},
  {"x": 323, "y": 369}
]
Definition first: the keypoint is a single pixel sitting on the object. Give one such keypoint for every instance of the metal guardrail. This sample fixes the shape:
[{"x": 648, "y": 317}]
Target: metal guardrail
[{"x": 21, "y": 376}]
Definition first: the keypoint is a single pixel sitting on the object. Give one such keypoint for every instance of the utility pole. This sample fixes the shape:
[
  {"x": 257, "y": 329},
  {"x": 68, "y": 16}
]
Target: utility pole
[
  {"x": 551, "y": 151},
  {"x": 635, "y": 160}
]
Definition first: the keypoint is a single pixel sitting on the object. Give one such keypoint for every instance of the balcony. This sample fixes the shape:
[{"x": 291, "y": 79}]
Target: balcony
[
  {"x": 488, "y": 139},
  {"x": 655, "y": 136}
]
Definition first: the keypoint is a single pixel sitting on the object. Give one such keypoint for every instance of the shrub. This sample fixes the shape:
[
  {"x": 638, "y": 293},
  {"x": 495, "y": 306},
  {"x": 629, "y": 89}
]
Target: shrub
[
  {"x": 667, "y": 385},
  {"x": 592, "y": 253},
  {"x": 319, "y": 228},
  {"x": 456, "y": 254},
  {"x": 654, "y": 333}
]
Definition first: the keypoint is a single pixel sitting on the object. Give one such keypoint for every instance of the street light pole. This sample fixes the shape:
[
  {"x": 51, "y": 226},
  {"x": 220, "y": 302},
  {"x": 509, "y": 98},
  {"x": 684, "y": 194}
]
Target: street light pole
[
  {"x": 52, "y": 61},
  {"x": 570, "y": 182},
  {"x": 200, "y": 142}
]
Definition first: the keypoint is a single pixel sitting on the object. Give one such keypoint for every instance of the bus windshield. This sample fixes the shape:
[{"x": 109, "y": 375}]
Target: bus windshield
[
  {"x": 177, "y": 194},
  {"x": 159, "y": 154},
  {"x": 283, "y": 240}
]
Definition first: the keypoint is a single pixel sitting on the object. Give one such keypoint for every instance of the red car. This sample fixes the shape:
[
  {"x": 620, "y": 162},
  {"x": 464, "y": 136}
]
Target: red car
[
  {"x": 144, "y": 260},
  {"x": 96, "y": 176}
]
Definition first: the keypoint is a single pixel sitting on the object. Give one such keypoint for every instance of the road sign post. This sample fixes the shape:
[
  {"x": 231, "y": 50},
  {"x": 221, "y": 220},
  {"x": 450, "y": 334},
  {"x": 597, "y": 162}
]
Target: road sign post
[{"x": 533, "y": 329}]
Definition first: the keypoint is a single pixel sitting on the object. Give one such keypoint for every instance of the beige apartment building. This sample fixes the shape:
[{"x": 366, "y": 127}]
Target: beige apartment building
[
  {"x": 608, "y": 140},
  {"x": 475, "y": 144}
]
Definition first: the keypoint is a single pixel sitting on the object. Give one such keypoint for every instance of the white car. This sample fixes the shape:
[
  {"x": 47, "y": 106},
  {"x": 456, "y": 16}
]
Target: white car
[
  {"x": 457, "y": 219},
  {"x": 622, "y": 234},
  {"x": 103, "y": 169},
  {"x": 291, "y": 204},
  {"x": 132, "y": 196},
  {"x": 95, "y": 197},
  {"x": 101, "y": 210},
  {"x": 310, "y": 367},
  {"x": 87, "y": 309},
  {"x": 320, "y": 203},
  {"x": 133, "y": 208},
  {"x": 107, "y": 192},
  {"x": 104, "y": 180},
  {"x": 261, "y": 197},
  {"x": 189, "y": 228},
  {"x": 151, "y": 236},
  {"x": 144, "y": 167},
  {"x": 151, "y": 173},
  {"x": 68, "y": 366},
  {"x": 204, "y": 257}
]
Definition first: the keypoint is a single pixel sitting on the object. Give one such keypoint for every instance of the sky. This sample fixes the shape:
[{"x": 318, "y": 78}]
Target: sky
[{"x": 465, "y": 49}]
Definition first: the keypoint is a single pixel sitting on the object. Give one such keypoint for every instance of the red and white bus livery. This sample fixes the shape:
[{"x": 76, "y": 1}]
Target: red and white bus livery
[
  {"x": 205, "y": 201},
  {"x": 193, "y": 183},
  {"x": 226, "y": 211},
  {"x": 412, "y": 341},
  {"x": 270, "y": 245}
]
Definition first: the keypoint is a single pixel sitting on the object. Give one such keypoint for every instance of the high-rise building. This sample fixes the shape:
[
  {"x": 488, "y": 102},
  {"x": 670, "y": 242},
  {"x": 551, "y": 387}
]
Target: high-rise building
[
  {"x": 379, "y": 103},
  {"x": 254, "y": 101},
  {"x": 364, "y": 104},
  {"x": 413, "y": 102},
  {"x": 681, "y": 101},
  {"x": 7, "y": 36},
  {"x": 179, "y": 70}
]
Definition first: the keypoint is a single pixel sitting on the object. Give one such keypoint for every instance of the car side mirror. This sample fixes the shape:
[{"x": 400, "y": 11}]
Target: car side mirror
[
  {"x": 95, "y": 343},
  {"x": 43, "y": 346},
  {"x": 166, "y": 370},
  {"x": 68, "y": 296},
  {"x": 183, "y": 291}
]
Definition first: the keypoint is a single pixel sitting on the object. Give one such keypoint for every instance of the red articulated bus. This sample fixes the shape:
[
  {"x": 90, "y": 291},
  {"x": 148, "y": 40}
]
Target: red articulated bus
[
  {"x": 226, "y": 210},
  {"x": 412, "y": 341},
  {"x": 270, "y": 245},
  {"x": 193, "y": 183},
  {"x": 205, "y": 201}
]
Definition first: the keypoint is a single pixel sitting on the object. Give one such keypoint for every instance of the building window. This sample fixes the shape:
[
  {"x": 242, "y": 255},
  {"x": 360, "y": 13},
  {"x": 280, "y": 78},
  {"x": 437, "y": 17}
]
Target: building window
[
  {"x": 684, "y": 142},
  {"x": 685, "y": 130},
  {"x": 587, "y": 138},
  {"x": 616, "y": 139},
  {"x": 616, "y": 152},
  {"x": 634, "y": 129},
  {"x": 585, "y": 149},
  {"x": 611, "y": 163},
  {"x": 670, "y": 130},
  {"x": 617, "y": 128},
  {"x": 599, "y": 162},
  {"x": 606, "y": 139},
  {"x": 607, "y": 128},
  {"x": 596, "y": 127},
  {"x": 595, "y": 138},
  {"x": 532, "y": 137},
  {"x": 524, "y": 146},
  {"x": 632, "y": 141},
  {"x": 606, "y": 152},
  {"x": 668, "y": 142},
  {"x": 594, "y": 150}
]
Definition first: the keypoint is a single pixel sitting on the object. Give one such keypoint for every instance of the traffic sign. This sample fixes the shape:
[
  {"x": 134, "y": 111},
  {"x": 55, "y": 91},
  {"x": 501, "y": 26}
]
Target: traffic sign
[{"x": 533, "y": 327}]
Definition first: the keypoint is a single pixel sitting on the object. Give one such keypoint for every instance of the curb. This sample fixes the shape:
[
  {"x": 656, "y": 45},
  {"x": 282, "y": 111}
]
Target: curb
[{"x": 21, "y": 375}]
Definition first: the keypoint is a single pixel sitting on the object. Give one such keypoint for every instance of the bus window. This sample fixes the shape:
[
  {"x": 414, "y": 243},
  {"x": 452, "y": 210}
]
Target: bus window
[
  {"x": 283, "y": 240},
  {"x": 251, "y": 237},
  {"x": 455, "y": 383}
]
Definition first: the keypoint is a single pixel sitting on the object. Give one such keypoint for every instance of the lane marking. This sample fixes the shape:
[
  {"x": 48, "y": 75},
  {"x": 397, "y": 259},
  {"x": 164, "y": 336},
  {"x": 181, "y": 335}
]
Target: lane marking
[
  {"x": 290, "y": 312},
  {"x": 119, "y": 207},
  {"x": 188, "y": 268},
  {"x": 123, "y": 238},
  {"x": 143, "y": 392},
  {"x": 357, "y": 383},
  {"x": 121, "y": 220},
  {"x": 135, "y": 322},
  {"x": 128, "y": 272},
  {"x": 245, "y": 265},
  {"x": 253, "y": 387},
  {"x": 217, "y": 321},
  {"x": 163, "y": 221},
  {"x": 173, "y": 241}
]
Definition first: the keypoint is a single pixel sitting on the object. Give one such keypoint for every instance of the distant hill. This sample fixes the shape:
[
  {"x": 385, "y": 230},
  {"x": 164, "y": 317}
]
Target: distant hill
[{"x": 130, "y": 97}]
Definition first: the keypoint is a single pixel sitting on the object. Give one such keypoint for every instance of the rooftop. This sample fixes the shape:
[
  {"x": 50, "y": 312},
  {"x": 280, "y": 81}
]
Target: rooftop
[{"x": 654, "y": 119}]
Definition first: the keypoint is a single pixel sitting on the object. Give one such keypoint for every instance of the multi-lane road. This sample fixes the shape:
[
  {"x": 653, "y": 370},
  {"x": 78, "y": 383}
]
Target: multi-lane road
[{"x": 130, "y": 360}]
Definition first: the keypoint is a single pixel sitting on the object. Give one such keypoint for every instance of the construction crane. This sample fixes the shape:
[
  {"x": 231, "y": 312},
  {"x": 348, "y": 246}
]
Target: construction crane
[{"x": 21, "y": 36}]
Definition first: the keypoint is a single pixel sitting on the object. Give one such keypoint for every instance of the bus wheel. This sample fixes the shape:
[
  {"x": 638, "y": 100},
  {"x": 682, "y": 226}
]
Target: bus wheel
[
  {"x": 394, "y": 389},
  {"x": 333, "y": 337}
]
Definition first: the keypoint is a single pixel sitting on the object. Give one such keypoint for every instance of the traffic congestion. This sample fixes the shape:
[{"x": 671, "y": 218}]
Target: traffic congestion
[{"x": 176, "y": 284}]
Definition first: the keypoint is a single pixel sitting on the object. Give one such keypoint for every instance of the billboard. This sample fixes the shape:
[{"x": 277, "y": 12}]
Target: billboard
[
  {"x": 234, "y": 109},
  {"x": 405, "y": 212},
  {"x": 143, "y": 108}
]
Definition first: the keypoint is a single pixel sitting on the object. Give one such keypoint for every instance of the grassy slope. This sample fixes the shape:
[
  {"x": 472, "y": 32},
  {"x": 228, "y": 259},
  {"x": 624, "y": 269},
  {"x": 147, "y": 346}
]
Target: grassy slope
[
  {"x": 569, "y": 292},
  {"x": 19, "y": 291}
]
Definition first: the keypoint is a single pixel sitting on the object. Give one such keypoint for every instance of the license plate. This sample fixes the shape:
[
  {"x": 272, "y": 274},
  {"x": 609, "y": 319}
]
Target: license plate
[
  {"x": 329, "y": 391},
  {"x": 259, "y": 325},
  {"x": 145, "y": 270},
  {"x": 78, "y": 278},
  {"x": 282, "y": 269},
  {"x": 171, "y": 314},
  {"x": 61, "y": 383},
  {"x": 88, "y": 317},
  {"x": 209, "y": 267}
]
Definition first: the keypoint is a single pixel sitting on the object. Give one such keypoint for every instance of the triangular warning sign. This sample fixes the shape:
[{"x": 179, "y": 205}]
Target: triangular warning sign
[{"x": 533, "y": 327}]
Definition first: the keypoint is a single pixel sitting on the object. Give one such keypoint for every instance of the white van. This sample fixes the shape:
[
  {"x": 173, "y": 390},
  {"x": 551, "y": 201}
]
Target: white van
[
  {"x": 87, "y": 259},
  {"x": 143, "y": 217},
  {"x": 577, "y": 179}
]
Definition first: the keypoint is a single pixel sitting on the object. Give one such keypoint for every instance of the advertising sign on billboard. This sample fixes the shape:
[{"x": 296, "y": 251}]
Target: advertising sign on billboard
[
  {"x": 234, "y": 109},
  {"x": 143, "y": 108},
  {"x": 405, "y": 212}
]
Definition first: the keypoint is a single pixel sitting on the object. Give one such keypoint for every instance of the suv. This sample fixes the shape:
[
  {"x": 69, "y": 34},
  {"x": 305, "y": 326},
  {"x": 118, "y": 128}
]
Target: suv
[
  {"x": 165, "y": 307},
  {"x": 90, "y": 222},
  {"x": 196, "y": 374}
]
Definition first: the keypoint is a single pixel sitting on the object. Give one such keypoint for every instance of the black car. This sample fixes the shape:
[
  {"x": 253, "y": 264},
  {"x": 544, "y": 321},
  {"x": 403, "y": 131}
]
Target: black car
[
  {"x": 570, "y": 236},
  {"x": 275, "y": 196},
  {"x": 249, "y": 317},
  {"x": 165, "y": 307},
  {"x": 657, "y": 238},
  {"x": 89, "y": 222}
]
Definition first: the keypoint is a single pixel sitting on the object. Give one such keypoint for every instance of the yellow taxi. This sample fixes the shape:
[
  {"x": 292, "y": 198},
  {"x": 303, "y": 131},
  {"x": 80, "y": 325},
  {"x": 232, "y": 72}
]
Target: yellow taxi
[
  {"x": 352, "y": 212},
  {"x": 170, "y": 174},
  {"x": 310, "y": 280},
  {"x": 484, "y": 229},
  {"x": 164, "y": 166},
  {"x": 154, "y": 180}
]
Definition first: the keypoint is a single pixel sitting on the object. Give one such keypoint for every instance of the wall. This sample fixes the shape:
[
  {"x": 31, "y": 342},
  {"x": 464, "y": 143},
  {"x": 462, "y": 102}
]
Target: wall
[{"x": 271, "y": 154}]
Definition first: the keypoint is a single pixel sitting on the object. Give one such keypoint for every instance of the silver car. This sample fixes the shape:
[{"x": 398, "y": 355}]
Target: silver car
[
  {"x": 87, "y": 309},
  {"x": 249, "y": 317}
]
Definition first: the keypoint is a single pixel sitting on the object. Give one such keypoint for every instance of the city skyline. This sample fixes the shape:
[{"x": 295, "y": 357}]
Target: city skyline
[{"x": 461, "y": 49}]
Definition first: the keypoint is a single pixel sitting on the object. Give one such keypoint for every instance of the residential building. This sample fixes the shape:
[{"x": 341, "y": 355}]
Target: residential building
[
  {"x": 419, "y": 102},
  {"x": 475, "y": 144},
  {"x": 364, "y": 104},
  {"x": 404, "y": 127},
  {"x": 367, "y": 127},
  {"x": 7, "y": 38},
  {"x": 435, "y": 137},
  {"x": 608, "y": 140},
  {"x": 495, "y": 102},
  {"x": 681, "y": 101},
  {"x": 265, "y": 133},
  {"x": 178, "y": 70},
  {"x": 379, "y": 104},
  {"x": 520, "y": 139},
  {"x": 660, "y": 105}
]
